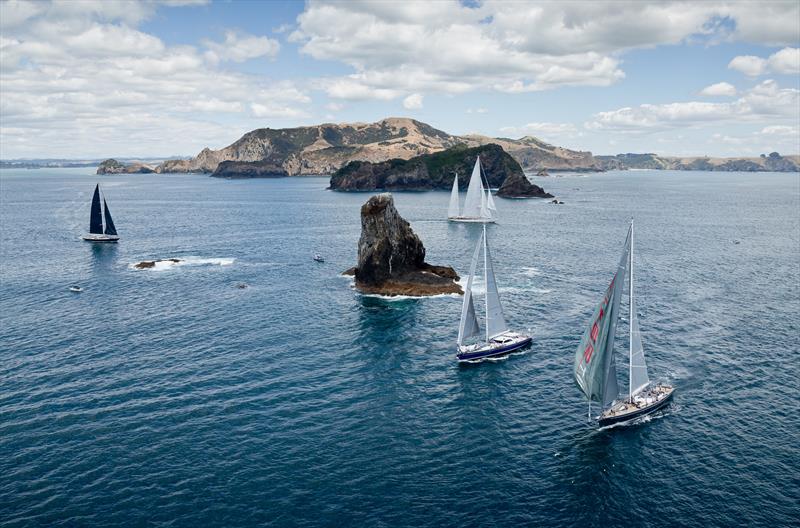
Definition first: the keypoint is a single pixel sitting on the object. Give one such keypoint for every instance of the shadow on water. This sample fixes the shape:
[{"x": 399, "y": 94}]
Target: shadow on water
[
  {"x": 385, "y": 323},
  {"x": 104, "y": 256}
]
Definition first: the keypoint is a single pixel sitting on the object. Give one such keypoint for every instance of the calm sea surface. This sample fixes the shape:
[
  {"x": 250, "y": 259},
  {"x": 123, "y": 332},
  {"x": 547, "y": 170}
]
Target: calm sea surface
[{"x": 172, "y": 397}]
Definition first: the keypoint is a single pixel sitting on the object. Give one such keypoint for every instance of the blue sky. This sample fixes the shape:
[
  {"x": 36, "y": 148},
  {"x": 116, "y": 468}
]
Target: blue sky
[{"x": 162, "y": 78}]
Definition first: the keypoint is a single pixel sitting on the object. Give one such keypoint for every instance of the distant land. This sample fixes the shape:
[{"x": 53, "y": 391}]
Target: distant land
[{"x": 323, "y": 149}]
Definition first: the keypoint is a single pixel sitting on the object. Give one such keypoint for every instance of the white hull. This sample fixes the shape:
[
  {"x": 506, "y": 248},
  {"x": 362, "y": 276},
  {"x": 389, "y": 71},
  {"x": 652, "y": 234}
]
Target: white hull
[
  {"x": 471, "y": 219},
  {"x": 100, "y": 238}
]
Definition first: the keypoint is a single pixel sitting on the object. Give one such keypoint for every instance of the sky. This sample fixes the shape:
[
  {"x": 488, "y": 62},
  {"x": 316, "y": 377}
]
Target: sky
[{"x": 164, "y": 78}]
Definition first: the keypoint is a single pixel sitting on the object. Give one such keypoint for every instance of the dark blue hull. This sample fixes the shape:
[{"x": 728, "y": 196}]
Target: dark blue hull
[
  {"x": 494, "y": 352},
  {"x": 636, "y": 414}
]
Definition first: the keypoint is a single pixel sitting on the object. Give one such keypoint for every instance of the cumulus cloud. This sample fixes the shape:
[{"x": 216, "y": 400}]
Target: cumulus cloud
[
  {"x": 239, "y": 47},
  {"x": 785, "y": 61},
  {"x": 396, "y": 49},
  {"x": 86, "y": 82},
  {"x": 720, "y": 88},
  {"x": 764, "y": 101},
  {"x": 413, "y": 102}
]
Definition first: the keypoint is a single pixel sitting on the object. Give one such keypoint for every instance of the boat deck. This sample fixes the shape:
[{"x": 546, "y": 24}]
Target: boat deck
[{"x": 643, "y": 403}]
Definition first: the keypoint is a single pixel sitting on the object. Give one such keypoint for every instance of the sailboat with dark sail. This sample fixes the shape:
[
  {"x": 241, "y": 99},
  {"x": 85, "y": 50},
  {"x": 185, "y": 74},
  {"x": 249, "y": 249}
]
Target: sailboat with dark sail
[
  {"x": 101, "y": 225},
  {"x": 478, "y": 205},
  {"x": 499, "y": 339},
  {"x": 595, "y": 367}
]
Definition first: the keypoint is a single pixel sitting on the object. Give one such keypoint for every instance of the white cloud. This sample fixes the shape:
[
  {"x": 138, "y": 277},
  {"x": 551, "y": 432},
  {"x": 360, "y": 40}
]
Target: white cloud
[
  {"x": 780, "y": 130},
  {"x": 785, "y": 61},
  {"x": 477, "y": 110},
  {"x": 719, "y": 89},
  {"x": 413, "y": 102},
  {"x": 545, "y": 129},
  {"x": 766, "y": 101},
  {"x": 513, "y": 47},
  {"x": 334, "y": 107},
  {"x": 84, "y": 82},
  {"x": 240, "y": 47}
]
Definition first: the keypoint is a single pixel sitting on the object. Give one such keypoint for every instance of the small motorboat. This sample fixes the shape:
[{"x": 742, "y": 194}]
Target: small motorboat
[
  {"x": 75, "y": 289},
  {"x": 318, "y": 258}
]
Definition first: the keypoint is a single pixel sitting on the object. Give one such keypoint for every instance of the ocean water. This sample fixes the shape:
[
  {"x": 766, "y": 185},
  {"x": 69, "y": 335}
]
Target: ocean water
[{"x": 173, "y": 397}]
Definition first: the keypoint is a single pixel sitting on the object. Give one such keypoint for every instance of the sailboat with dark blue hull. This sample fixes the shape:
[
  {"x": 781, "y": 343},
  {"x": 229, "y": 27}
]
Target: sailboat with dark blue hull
[
  {"x": 101, "y": 225},
  {"x": 595, "y": 367},
  {"x": 499, "y": 340}
]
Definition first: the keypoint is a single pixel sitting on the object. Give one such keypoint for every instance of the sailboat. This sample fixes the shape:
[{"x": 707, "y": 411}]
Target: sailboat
[
  {"x": 499, "y": 339},
  {"x": 98, "y": 216},
  {"x": 595, "y": 367},
  {"x": 478, "y": 205}
]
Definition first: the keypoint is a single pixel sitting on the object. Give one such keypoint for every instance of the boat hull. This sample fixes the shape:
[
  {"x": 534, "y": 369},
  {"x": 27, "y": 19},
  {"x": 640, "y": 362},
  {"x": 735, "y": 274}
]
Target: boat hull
[
  {"x": 100, "y": 238},
  {"x": 470, "y": 219},
  {"x": 494, "y": 351},
  {"x": 605, "y": 420}
]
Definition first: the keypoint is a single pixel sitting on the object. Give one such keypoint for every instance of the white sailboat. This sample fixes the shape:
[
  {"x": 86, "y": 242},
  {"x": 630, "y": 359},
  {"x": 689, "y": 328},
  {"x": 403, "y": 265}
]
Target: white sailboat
[
  {"x": 595, "y": 367},
  {"x": 499, "y": 340},
  {"x": 478, "y": 205}
]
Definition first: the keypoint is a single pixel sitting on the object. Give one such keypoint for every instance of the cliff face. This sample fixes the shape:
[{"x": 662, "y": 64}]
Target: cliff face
[
  {"x": 323, "y": 149},
  {"x": 249, "y": 169},
  {"x": 112, "y": 166},
  {"x": 772, "y": 163},
  {"x": 427, "y": 172},
  {"x": 391, "y": 257}
]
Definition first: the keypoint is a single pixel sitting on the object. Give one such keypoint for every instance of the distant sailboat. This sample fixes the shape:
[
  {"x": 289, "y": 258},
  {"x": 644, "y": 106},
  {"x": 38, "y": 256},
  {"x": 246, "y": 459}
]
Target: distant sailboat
[
  {"x": 499, "y": 339},
  {"x": 478, "y": 205},
  {"x": 595, "y": 369},
  {"x": 98, "y": 232}
]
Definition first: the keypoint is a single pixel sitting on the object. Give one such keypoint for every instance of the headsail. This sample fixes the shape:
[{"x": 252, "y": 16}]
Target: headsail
[
  {"x": 595, "y": 369},
  {"x": 110, "y": 229},
  {"x": 453, "y": 210},
  {"x": 469, "y": 326},
  {"x": 490, "y": 204},
  {"x": 495, "y": 319},
  {"x": 96, "y": 215},
  {"x": 474, "y": 199}
]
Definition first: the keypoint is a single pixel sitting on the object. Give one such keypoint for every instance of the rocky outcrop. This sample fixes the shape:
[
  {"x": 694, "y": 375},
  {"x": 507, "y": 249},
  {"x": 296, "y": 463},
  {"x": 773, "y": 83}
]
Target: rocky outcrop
[
  {"x": 112, "y": 166},
  {"x": 543, "y": 173},
  {"x": 249, "y": 169},
  {"x": 518, "y": 186},
  {"x": 391, "y": 257},
  {"x": 427, "y": 172},
  {"x": 772, "y": 163}
]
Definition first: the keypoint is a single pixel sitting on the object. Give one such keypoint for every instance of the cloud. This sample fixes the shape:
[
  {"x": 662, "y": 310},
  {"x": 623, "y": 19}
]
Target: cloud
[
  {"x": 413, "y": 102},
  {"x": 785, "y": 61},
  {"x": 477, "y": 110},
  {"x": 84, "y": 82},
  {"x": 240, "y": 47},
  {"x": 765, "y": 101},
  {"x": 719, "y": 89},
  {"x": 547, "y": 129},
  {"x": 513, "y": 47},
  {"x": 780, "y": 130}
]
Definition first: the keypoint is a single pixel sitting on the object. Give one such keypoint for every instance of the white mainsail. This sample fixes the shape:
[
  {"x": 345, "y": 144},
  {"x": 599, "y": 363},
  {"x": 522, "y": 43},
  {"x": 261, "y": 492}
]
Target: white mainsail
[
  {"x": 495, "y": 319},
  {"x": 453, "y": 211},
  {"x": 638, "y": 367},
  {"x": 469, "y": 326},
  {"x": 475, "y": 197}
]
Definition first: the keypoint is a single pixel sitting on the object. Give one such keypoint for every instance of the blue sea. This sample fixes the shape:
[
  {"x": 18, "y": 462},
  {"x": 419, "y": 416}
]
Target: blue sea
[{"x": 172, "y": 397}]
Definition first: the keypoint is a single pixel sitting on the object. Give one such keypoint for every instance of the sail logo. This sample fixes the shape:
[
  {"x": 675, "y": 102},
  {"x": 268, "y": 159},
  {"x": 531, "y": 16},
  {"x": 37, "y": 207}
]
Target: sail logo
[{"x": 595, "y": 331}]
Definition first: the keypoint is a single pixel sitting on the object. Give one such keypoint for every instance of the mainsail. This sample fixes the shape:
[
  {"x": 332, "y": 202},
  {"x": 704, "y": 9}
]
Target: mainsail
[
  {"x": 469, "y": 326},
  {"x": 638, "y": 366},
  {"x": 96, "y": 215},
  {"x": 474, "y": 200},
  {"x": 110, "y": 229},
  {"x": 595, "y": 369},
  {"x": 452, "y": 211},
  {"x": 495, "y": 319}
]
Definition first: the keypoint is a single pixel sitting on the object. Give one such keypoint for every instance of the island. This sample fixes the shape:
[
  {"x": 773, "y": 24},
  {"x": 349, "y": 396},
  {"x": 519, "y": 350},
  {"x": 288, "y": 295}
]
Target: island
[
  {"x": 517, "y": 185},
  {"x": 112, "y": 166},
  {"x": 391, "y": 257}
]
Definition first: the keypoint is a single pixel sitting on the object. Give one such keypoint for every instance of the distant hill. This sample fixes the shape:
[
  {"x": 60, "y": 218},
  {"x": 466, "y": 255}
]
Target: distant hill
[
  {"x": 773, "y": 162},
  {"x": 323, "y": 149}
]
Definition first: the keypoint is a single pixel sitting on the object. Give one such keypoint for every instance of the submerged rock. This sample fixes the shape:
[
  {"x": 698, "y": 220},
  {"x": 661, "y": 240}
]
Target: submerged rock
[
  {"x": 391, "y": 257},
  {"x": 146, "y": 264},
  {"x": 517, "y": 185}
]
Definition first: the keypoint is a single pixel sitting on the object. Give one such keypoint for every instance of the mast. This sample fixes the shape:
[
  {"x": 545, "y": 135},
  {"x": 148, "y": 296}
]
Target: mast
[
  {"x": 630, "y": 320},
  {"x": 486, "y": 281}
]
